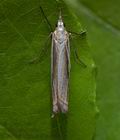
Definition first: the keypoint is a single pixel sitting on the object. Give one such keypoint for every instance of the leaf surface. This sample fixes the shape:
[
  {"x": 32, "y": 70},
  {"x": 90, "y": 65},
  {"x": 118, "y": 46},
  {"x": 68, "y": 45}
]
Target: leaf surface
[{"x": 25, "y": 96}]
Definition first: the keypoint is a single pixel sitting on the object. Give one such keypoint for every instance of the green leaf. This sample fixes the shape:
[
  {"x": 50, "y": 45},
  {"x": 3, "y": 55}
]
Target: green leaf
[
  {"x": 25, "y": 89},
  {"x": 103, "y": 25}
]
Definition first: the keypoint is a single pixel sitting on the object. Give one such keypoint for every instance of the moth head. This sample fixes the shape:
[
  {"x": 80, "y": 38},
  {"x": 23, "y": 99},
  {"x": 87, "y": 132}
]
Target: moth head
[{"x": 60, "y": 24}]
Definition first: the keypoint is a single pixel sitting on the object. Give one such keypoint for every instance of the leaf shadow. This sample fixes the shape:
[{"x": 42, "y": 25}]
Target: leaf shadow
[{"x": 59, "y": 127}]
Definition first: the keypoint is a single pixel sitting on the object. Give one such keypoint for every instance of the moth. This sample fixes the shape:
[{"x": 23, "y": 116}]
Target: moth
[
  {"x": 60, "y": 67},
  {"x": 60, "y": 64}
]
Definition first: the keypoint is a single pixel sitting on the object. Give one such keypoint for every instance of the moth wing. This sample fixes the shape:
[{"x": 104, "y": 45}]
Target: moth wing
[
  {"x": 63, "y": 100},
  {"x": 68, "y": 55},
  {"x": 53, "y": 75}
]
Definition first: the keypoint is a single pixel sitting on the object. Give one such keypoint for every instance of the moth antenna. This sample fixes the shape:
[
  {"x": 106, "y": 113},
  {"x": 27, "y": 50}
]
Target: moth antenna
[
  {"x": 60, "y": 15},
  {"x": 50, "y": 26}
]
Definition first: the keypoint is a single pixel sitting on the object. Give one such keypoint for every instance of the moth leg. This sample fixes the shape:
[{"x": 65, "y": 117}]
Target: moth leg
[
  {"x": 76, "y": 57},
  {"x": 42, "y": 52},
  {"x": 82, "y": 33},
  {"x": 78, "y": 60},
  {"x": 37, "y": 59}
]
